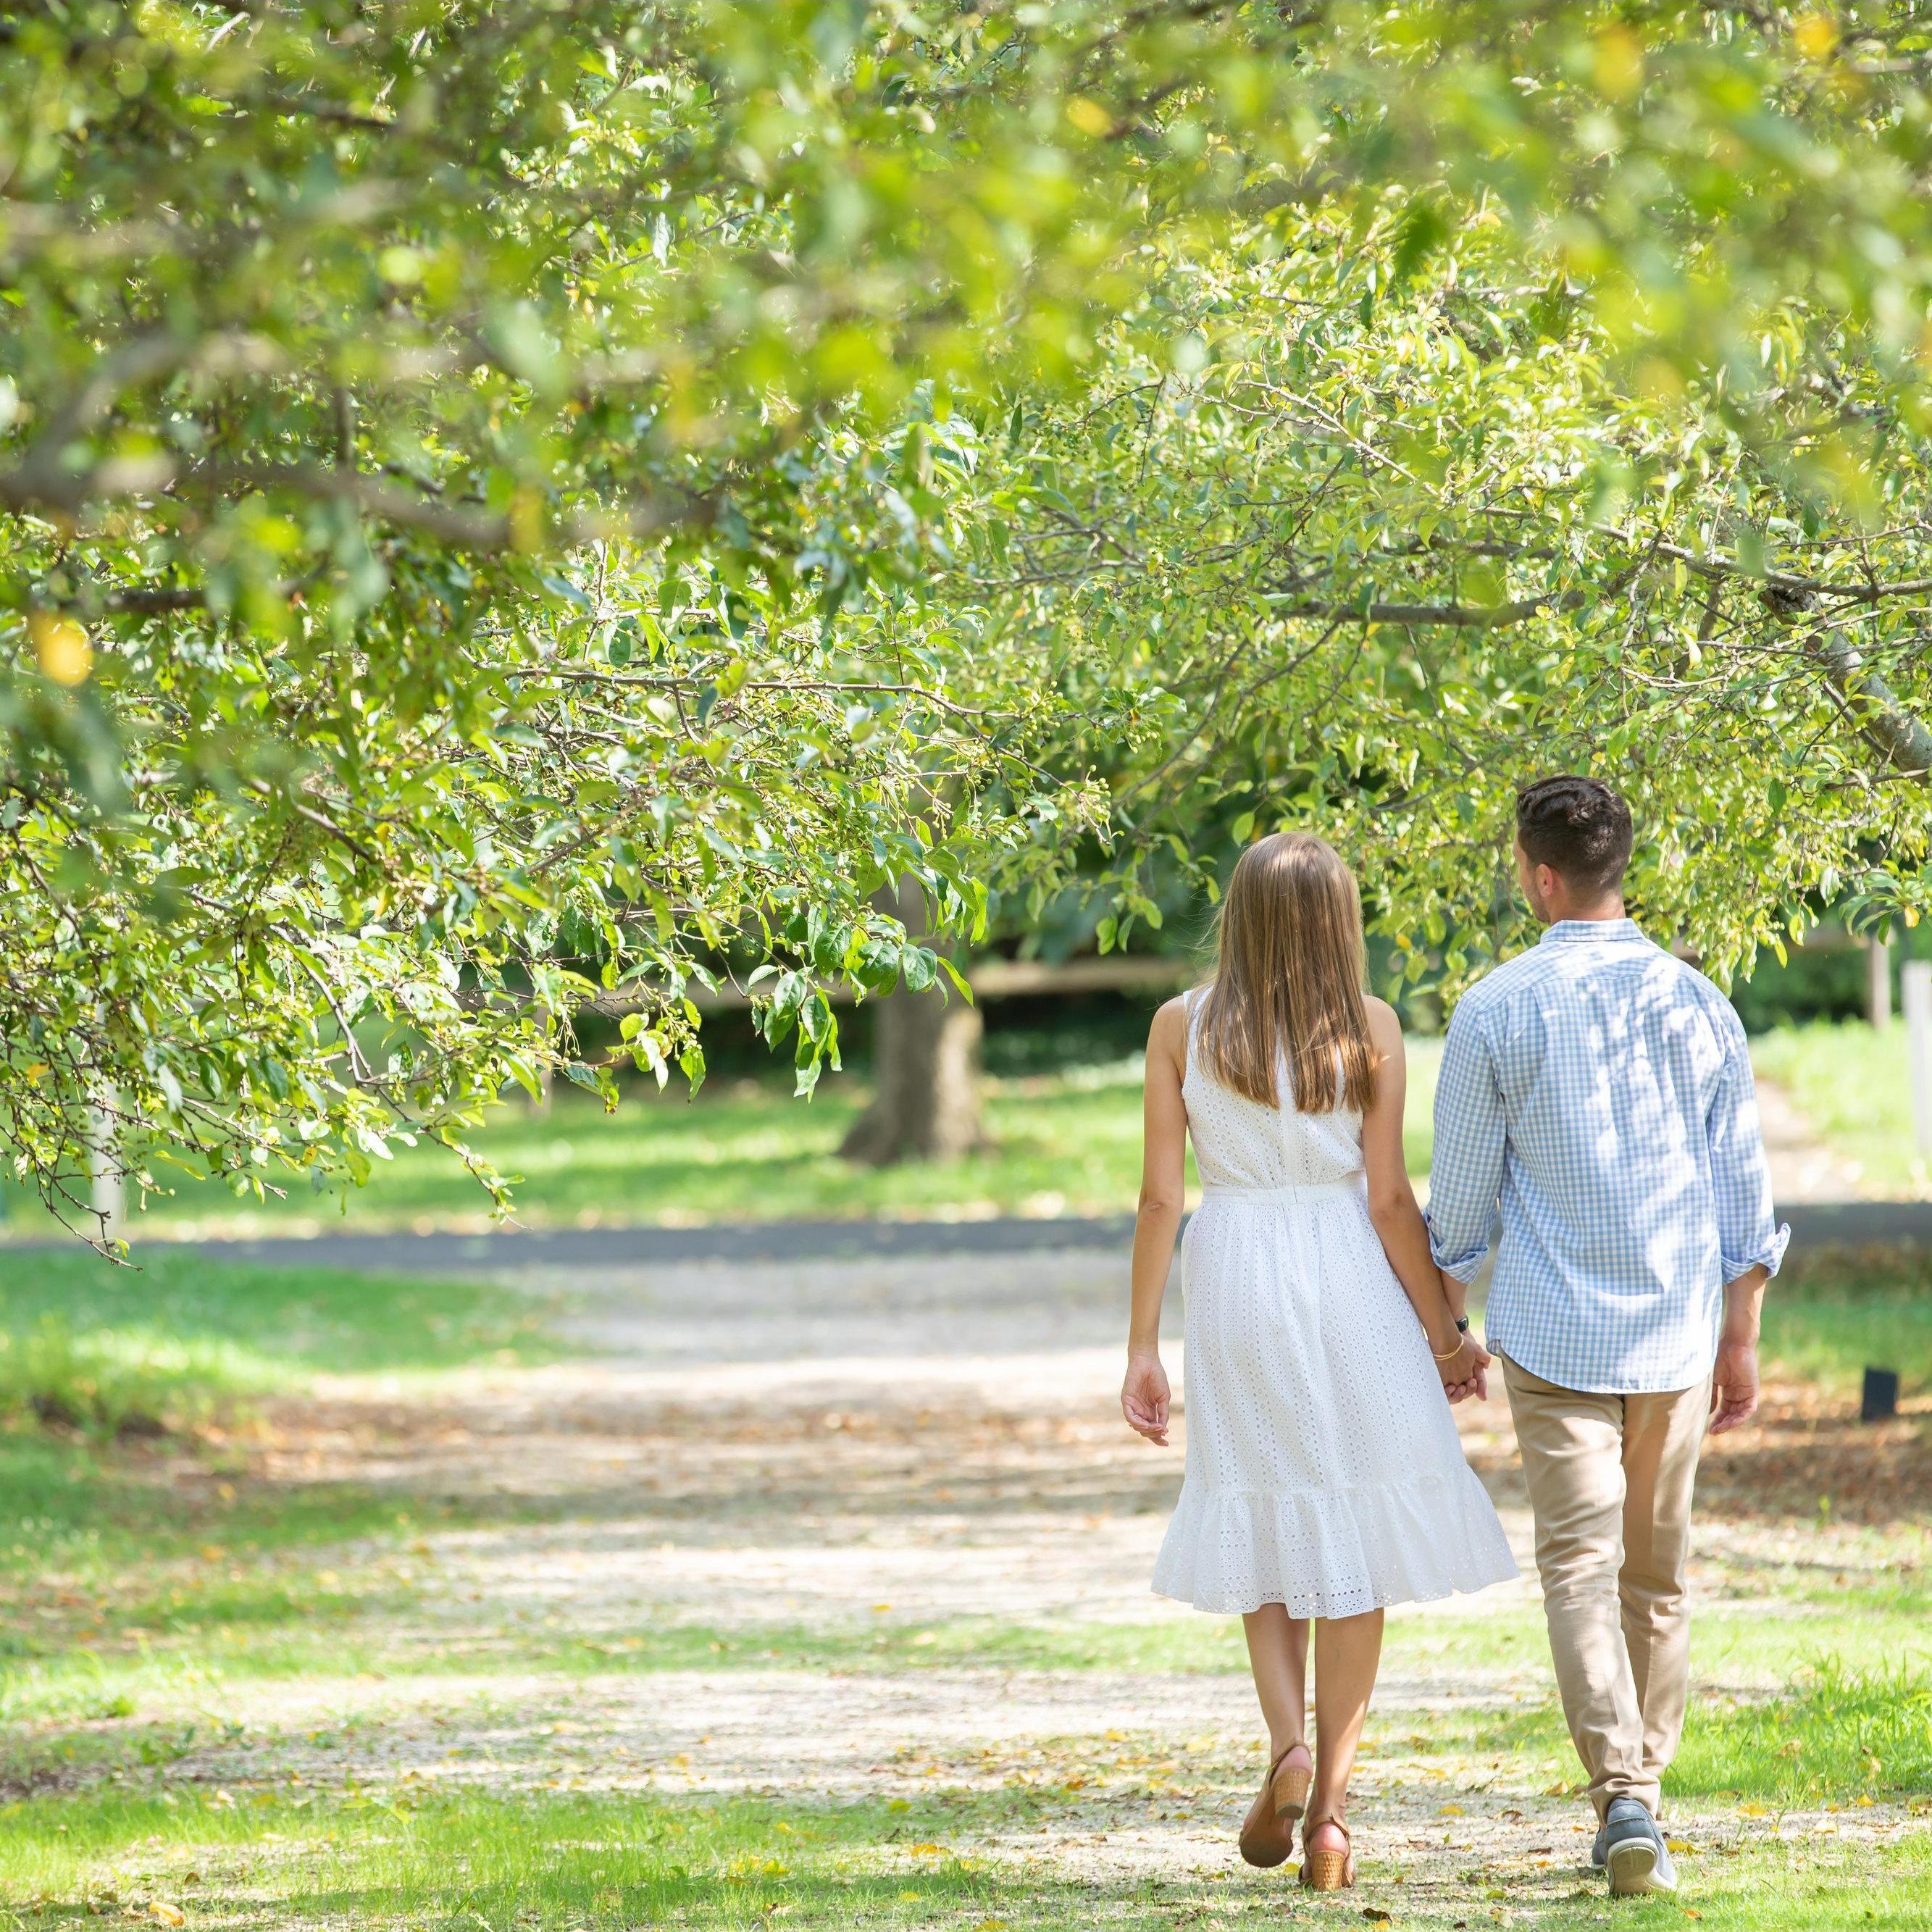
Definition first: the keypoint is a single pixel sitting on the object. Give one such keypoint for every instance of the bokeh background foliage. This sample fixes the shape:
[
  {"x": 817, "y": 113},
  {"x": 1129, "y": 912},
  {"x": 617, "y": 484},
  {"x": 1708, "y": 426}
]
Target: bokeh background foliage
[{"x": 508, "y": 511}]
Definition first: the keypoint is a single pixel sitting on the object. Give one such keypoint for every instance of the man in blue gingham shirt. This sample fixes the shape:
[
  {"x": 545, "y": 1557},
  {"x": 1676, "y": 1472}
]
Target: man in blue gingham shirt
[
  {"x": 1597, "y": 1091},
  {"x": 1600, "y": 1091}
]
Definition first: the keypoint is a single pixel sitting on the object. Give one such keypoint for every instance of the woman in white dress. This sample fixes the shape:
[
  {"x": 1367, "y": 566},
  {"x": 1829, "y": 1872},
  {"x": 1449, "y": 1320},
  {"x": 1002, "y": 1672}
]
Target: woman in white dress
[{"x": 1325, "y": 1479}]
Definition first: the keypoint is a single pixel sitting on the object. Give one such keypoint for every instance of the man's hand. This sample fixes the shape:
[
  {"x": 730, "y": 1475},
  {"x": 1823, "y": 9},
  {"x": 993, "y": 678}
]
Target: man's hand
[
  {"x": 1143, "y": 1398},
  {"x": 1733, "y": 1385}
]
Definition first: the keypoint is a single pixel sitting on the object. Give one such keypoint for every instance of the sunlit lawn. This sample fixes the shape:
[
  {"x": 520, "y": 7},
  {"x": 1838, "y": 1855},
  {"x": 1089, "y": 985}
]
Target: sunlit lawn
[
  {"x": 120, "y": 1359},
  {"x": 1065, "y": 1144},
  {"x": 1849, "y": 1081},
  {"x": 563, "y": 1861},
  {"x": 147, "y": 1604},
  {"x": 1060, "y": 1144}
]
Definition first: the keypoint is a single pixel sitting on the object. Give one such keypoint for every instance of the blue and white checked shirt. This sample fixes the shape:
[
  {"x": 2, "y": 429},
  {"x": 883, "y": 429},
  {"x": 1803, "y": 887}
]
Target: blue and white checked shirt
[{"x": 1600, "y": 1090}]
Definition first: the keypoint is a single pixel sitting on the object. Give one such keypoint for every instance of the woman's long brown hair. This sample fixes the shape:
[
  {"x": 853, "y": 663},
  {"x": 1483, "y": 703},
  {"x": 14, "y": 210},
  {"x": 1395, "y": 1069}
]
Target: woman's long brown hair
[{"x": 1288, "y": 979}]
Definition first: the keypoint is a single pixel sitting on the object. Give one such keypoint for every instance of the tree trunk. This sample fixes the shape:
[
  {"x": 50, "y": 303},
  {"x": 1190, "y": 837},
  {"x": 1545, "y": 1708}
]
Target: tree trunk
[{"x": 925, "y": 1060}]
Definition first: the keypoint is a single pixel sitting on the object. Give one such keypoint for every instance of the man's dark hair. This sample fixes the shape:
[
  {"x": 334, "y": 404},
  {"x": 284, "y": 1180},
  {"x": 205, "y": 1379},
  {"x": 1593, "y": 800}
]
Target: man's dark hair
[{"x": 1579, "y": 828}]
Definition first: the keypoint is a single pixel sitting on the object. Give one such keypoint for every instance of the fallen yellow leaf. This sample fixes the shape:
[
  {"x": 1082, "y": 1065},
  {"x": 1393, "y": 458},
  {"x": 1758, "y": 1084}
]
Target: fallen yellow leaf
[{"x": 167, "y": 1914}]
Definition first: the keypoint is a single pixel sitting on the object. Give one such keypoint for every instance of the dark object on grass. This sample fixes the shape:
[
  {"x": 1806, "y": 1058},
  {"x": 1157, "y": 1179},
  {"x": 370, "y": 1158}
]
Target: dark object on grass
[{"x": 1881, "y": 1395}]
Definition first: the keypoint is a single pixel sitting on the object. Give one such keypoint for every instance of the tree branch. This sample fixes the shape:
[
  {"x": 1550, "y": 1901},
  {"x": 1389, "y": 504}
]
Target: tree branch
[{"x": 1891, "y": 729}]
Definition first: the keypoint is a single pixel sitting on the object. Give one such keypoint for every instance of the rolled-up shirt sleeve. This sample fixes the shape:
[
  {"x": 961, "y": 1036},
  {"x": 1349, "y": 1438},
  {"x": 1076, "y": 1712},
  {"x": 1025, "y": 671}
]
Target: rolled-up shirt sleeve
[
  {"x": 1748, "y": 1234},
  {"x": 1465, "y": 1170}
]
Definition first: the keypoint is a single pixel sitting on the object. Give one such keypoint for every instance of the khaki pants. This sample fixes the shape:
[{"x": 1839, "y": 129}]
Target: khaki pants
[{"x": 1609, "y": 1479}]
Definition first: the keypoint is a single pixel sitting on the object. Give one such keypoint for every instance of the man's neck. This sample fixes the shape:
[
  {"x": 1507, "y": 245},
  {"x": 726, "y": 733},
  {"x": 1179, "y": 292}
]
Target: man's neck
[{"x": 1598, "y": 909}]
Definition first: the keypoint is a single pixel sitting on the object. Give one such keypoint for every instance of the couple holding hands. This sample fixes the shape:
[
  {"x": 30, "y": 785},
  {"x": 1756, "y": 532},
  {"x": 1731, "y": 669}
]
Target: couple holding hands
[{"x": 1595, "y": 1093}]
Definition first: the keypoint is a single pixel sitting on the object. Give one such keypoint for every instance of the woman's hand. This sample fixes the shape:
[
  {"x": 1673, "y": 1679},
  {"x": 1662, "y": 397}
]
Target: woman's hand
[
  {"x": 1143, "y": 1398},
  {"x": 1466, "y": 1373}
]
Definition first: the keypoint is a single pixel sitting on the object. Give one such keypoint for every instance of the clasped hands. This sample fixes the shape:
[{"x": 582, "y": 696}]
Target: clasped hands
[{"x": 1465, "y": 1373}]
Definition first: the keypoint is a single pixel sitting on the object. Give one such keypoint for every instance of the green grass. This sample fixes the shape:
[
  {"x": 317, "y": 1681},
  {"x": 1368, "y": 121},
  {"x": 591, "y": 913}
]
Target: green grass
[
  {"x": 300, "y": 1611},
  {"x": 1849, "y": 1081},
  {"x": 1839, "y": 1732},
  {"x": 1060, "y": 1144},
  {"x": 564, "y": 1860},
  {"x": 117, "y": 1382},
  {"x": 1838, "y": 1736},
  {"x": 1064, "y": 1143},
  {"x": 176, "y": 1591},
  {"x": 175, "y": 1327},
  {"x": 272, "y": 1323},
  {"x": 174, "y": 1344},
  {"x": 1829, "y": 1315}
]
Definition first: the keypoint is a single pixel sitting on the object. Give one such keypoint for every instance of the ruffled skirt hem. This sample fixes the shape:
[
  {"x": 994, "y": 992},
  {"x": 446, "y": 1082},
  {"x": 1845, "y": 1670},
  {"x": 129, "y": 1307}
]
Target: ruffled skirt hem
[{"x": 1333, "y": 1552}]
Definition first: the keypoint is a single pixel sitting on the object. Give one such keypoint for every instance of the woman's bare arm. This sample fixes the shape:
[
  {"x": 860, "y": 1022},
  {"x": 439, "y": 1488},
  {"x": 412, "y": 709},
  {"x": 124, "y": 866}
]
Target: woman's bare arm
[
  {"x": 1398, "y": 1220},
  {"x": 1145, "y": 1396}
]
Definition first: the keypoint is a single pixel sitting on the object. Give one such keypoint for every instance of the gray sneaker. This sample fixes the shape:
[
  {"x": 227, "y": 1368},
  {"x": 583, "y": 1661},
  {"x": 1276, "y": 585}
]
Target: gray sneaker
[
  {"x": 1600, "y": 1848},
  {"x": 1633, "y": 1850}
]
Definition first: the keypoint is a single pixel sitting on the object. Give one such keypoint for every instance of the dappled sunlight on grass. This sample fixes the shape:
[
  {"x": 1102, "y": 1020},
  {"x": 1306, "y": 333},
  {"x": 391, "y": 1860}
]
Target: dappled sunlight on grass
[
  {"x": 325, "y": 1659},
  {"x": 1849, "y": 1081},
  {"x": 1066, "y": 1143},
  {"x": 395, "y": 1858},
  {"x": 1839, "y": 1734},
  {"x": 1830, "y": 1314}
]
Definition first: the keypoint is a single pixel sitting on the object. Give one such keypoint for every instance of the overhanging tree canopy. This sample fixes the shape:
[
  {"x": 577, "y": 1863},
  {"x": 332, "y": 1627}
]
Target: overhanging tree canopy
[
  {"x": 1369, "y": 566},
  {"x": 478, "y": 480}
]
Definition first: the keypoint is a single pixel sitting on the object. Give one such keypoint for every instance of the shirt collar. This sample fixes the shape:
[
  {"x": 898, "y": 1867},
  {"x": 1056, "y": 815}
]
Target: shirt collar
[{"x": 1597, "y": 932}]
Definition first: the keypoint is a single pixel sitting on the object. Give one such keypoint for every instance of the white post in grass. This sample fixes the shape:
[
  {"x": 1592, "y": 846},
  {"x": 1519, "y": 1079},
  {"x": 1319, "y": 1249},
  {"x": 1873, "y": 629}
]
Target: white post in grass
[
  {"x": 109, "y": 1195},
  {"x": 1917, "y": 980}
]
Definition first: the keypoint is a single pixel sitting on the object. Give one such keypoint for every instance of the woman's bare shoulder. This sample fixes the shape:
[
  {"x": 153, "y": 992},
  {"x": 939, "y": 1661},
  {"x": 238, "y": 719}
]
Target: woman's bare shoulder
[
  {"x": 1170, "y": 1021},
  {"x": 1168, "y": 1035},
  {"x": 1385, "y": 1023}
]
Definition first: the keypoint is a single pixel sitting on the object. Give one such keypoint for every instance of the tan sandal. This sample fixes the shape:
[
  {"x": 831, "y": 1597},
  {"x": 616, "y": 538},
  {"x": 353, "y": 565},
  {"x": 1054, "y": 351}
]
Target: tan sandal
[
  {"x": 1267, "y": 1832},
  {"x": 1290, "y": 1782},
  {"x": 1326, "y": 1871}
]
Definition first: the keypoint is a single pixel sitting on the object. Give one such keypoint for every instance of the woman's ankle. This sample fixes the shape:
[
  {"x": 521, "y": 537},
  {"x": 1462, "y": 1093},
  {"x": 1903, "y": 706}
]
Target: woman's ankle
[{"x": 1279, "y": 1747}]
